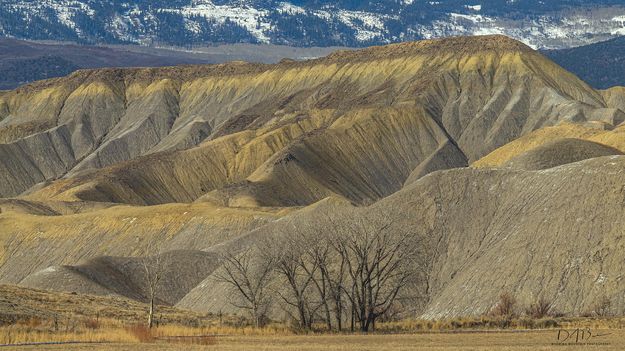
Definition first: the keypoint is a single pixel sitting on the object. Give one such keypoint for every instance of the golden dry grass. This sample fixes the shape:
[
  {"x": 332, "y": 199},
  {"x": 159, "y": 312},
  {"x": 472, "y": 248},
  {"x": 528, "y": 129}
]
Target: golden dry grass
[
  {"x": 111, "y": 331},
  {"x": 480, "y": 333},
  {"x": 482, "y": 341},
  {"x": 25, "y": 306},
  {"x": 64, "y": 329},
  {"x": 73, "y": 319}
]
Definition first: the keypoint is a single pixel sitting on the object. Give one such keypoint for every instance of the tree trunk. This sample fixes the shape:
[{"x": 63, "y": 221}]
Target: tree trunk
[
  {"x": 328, "y": 317},
  {"x": 256, "y": 317},
  {"x": 339, "y": 315},
  {"x": 364, "y": 319},
  {"x": 302, "y": 314},
  {"x": 352, "y": 319},
  {"x": 151, "y": 313}
]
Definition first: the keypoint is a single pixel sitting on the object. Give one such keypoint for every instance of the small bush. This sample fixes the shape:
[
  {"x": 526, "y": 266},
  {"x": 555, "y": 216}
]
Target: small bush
[
  {"x": 141, "y": 332},
  {"x": 527, "y": 323},
  {"x": 547, "y": 323},
  {"x": 540, "y": 309},
  {"x": 603, "y": 307},
  {"x": 505, "y": 307},
  {"x": 504, "y": 323},
  {"x": 92, "y": 323},
  {"x": 392, "y": 314},
  {"x": 33, "y": 322}
]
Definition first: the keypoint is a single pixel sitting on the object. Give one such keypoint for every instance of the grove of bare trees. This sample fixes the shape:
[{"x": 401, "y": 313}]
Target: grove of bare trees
[{"x": 350, "y": 274}]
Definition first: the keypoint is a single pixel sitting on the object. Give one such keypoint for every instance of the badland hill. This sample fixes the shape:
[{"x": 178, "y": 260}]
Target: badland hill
[{"x": 506, "y": 169}]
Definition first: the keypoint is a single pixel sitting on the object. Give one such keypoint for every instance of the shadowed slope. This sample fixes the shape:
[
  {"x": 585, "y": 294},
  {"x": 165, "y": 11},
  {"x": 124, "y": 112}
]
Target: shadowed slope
[
  {"x": 447, "y": 156},
  {"x": 181, "y": 271}
]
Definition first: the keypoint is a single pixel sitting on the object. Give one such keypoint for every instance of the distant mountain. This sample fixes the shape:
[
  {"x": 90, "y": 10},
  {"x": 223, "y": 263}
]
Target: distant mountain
[
  {"x": 540, "y": 24},
  {"x": 601, "y": 65},
  {"x": 14, "y": 72},
  {"x": 22, "y": 62}
]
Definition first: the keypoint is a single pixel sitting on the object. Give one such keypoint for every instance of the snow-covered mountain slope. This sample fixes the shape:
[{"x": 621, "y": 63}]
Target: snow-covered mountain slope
[{"x": 557, "y": 24}]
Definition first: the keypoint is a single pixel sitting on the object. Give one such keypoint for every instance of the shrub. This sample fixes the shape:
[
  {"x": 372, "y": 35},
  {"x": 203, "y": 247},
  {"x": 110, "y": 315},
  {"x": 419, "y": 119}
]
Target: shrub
[
  {"x": 527, "y": 323},
  {"x": 141, "y": 332},
  {"x": 505, "y": 307},
  {"x": 547, "y": 323},
  {"x": 392, "y": 314},
  {"x": 92, "y": 323},
  {"x": 32, "y": 322},
  {"x": 603, "y": 307},
  {"x": 540, "y": 309}
]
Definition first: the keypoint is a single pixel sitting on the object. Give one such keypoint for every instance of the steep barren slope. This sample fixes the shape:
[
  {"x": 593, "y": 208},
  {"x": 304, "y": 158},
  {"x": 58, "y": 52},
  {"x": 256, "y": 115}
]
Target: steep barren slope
[
  {"x": 353, "y": 124},
  {"x": 555, "y": 233}
]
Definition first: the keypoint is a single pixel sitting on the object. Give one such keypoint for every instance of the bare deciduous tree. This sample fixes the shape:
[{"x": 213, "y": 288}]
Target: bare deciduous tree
[
  {"x": 250, "y": 279},
  {"x": 380, "y": 261},
  {"x": 326, "y": 268},
  {"x": 153, "y": 270},
  {"x": 298, "y": 272},
  {"x": 318, "y": 253}
]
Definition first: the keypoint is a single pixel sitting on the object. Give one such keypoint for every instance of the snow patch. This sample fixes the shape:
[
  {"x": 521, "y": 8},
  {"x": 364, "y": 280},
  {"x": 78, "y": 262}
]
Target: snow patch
[
  {"x": 49, "y": 270},
  {"x": 472, "y": 18},
  {"x": 290, "y": 9},
  {"x": 245, "y": 16},
  {"x": 367, "y": 25}
]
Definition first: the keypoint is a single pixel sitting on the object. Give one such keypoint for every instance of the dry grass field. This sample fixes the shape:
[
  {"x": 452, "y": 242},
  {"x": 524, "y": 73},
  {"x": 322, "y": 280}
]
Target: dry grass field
[
  {"x": 570, "y": 334},
  {"x": 83, "y": 322},
  {"x": 482, "y": 341}
]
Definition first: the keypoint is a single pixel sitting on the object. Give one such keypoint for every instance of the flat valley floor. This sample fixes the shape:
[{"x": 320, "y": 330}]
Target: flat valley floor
[{"x": 606, "y": 339}]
